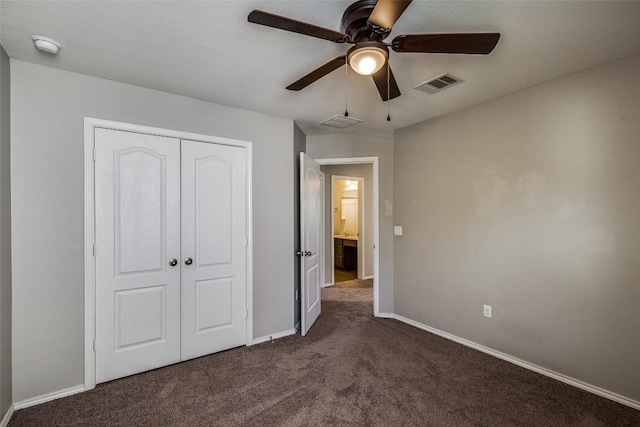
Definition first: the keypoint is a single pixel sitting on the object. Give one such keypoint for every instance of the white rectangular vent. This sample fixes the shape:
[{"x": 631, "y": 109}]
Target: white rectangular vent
[
  {"x": 341, "y": 121},
  {"x": 439, "y": 83}
]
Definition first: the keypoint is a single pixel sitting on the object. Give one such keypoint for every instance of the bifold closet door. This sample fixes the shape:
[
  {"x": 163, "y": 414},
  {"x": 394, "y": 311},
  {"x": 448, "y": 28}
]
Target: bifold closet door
[
  {"x": 214, "y": 265},
  {"x": 137, "y": 212}
]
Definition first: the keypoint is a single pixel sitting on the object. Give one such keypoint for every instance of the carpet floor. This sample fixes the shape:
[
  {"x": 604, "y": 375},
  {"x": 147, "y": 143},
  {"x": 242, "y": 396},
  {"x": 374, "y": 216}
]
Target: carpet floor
[
  {"x": 355, "y": 283},
  {"x": 350, "y": 370}
]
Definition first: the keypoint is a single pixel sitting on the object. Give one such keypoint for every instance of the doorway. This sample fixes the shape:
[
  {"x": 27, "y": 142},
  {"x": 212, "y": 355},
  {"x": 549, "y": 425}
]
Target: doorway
[
  {"x": 369, "y": 235},
  {"x": 348, "y": 225}
]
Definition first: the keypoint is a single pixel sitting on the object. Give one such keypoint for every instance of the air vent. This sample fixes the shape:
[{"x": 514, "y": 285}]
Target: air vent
[
  {"x": 439, "y": 83},
  {"x": 341, "y": 122}
]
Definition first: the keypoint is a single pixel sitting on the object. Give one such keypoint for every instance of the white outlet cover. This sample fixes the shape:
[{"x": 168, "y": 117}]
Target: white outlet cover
[
  {"x": 397, "y": 230},
  {"x": 487, "y": 311}
]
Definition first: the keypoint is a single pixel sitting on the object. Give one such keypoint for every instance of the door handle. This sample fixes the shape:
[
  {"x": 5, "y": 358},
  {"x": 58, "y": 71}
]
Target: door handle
[
  {"x": 173, "y": 262},
  {"x": 304, "y": 253},
  {"x": 188, "y": 261},
  {"x": 307, "y": 253}
]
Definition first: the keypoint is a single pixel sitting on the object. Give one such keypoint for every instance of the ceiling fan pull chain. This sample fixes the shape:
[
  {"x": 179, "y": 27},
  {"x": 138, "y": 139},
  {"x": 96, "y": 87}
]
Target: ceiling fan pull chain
[
  {"x": 346, "y": 91},
  {"x": 388, "y": 92}
]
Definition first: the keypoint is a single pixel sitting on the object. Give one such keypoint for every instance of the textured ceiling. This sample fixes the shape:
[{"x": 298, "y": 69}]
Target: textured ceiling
[{"x": 207, "y": 50}]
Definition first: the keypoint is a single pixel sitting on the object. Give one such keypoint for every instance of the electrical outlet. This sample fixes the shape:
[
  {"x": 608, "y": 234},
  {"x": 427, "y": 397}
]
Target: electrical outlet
[{"x": 487, "y": 311}]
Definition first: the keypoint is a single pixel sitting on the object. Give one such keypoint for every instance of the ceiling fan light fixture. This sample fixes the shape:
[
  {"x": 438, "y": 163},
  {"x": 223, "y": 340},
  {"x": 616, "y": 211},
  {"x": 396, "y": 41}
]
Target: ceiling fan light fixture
[{"x": 367, "y": 59}]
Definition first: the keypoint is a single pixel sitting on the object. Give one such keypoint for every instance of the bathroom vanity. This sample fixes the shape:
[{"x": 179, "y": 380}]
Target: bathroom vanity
[{"x": 345, "y": 250}]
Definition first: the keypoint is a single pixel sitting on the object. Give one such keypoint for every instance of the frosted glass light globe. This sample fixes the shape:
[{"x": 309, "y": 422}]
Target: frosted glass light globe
[{"x": 367, "y": 60}]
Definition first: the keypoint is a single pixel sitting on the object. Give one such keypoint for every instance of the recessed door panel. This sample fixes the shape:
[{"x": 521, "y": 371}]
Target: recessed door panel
[
  {"x": 139, "y": 218},
  {"x": 214, "y": 304},
  {"x": 137, "y": 209},
  {"x": 141, "y": 316},
  {"x": 214, "y": 238},
  {"x": 214, "y": 206},
  {"x": 313, "y": 285}
]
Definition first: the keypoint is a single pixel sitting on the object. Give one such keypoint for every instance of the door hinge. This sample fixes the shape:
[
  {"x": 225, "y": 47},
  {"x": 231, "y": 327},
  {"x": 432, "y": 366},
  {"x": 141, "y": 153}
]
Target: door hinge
[
  {"x": 94, "y": 249},
  {"x": 94, "y": 345},
  {"x": 246, "y": 314},
  {"x": 94, "y": 154}
]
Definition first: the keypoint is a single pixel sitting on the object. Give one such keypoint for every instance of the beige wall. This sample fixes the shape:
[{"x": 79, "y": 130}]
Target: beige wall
[
  {"x": 530, "y": 203},
  {"x": 380, "y": 145},
  {"x": 48, "y": 109},
  {"x": 5, "y": 238}
]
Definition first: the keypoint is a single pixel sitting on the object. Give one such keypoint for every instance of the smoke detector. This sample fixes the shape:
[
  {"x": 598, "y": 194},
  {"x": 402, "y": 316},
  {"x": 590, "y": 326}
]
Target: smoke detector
[
  {"x": 46, "y": 44},
  {"x": 438, "y": 84}
]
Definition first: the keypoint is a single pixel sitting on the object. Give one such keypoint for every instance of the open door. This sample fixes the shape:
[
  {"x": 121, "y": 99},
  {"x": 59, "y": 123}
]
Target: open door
[{"x": 311, "y": 239}]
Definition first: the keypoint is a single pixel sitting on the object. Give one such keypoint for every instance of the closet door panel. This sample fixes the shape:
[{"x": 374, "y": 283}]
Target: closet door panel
[
  {"x": 214, "y": 239},
  {"x": 137, "y": 204}
]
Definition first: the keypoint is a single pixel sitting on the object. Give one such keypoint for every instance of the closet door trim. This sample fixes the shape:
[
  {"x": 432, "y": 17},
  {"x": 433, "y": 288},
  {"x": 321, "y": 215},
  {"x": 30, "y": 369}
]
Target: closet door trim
[{"x": 90, "y": 124}]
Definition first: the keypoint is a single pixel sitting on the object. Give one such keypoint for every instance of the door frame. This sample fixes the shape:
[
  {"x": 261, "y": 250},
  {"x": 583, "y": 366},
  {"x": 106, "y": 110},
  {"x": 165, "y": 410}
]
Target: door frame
[
  {"x": 362, "y": 237},
  {"x": 374, "y": 161},
  {"x": 90, "y": 124}
]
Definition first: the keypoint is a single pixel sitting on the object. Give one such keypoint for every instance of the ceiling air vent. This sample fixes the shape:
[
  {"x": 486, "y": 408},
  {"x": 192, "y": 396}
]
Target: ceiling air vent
[
  {"x": 341, "y": 121},
  {"x": 439, "y": 83}
]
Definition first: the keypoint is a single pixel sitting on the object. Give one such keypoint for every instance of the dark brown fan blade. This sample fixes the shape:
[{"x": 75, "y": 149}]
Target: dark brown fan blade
[
  {"x": 472, "y": 43},
  {"x": 387, "y": 12},
  {"x": 380, "y": 78},
  {"x": 318, "y": 73},
  {"x": 288, "y": 24}
]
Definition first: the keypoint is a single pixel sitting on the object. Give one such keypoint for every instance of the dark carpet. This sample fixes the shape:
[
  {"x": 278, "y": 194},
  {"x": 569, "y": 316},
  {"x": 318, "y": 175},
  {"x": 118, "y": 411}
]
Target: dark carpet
[{"x": 350, "y": 370}]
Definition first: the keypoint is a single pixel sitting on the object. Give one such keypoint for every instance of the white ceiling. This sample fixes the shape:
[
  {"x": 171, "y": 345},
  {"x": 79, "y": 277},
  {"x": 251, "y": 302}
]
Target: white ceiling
[{"x": 207, "y": 50}]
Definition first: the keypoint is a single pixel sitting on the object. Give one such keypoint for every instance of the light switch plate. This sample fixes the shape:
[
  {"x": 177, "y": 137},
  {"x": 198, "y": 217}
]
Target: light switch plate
[{"x": 397, "y": 230}]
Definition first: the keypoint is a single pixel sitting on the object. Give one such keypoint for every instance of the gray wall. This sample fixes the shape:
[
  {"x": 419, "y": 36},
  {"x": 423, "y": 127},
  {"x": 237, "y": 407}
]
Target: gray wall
[
  {"x": 299, "y": 146},
  {"x": 48, "y": 108},
  {"x": 530, "y": 203},
  {"x": 361, "y": 145},
  {"x": 5, "y": 238},
  {"x": 356, "y": 170}
]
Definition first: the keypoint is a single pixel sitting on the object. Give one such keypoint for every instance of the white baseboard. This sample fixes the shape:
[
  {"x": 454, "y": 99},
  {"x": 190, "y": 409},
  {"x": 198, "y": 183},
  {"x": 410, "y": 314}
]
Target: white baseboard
[
  {"x": 367, "y": 277},
  {"x": 7, "y": 416},
  {"x": 326, "y": 285},
  {"x": 524, "y": 364},
  {"x": 274, "y": 336},
  {"x": 386, "y": 315},
  {"x": 48, "y": 397}
]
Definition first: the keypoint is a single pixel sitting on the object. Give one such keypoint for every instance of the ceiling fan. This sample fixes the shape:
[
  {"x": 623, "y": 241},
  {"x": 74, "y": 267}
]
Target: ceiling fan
[{"x": 366, "y": 23}]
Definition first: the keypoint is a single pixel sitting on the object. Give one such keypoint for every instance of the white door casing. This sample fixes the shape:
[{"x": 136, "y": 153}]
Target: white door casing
[
  {"x": 310, "y": 235},
  {"x": 213, "y": 238},
  {"x": 137, "y": 185}
]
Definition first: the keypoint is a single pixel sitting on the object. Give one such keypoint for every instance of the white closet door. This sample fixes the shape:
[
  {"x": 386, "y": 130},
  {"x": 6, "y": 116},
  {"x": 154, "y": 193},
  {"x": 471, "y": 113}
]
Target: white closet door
[
  {"x": 137, "y": 205},
  {"x": 214, "y": 307}
]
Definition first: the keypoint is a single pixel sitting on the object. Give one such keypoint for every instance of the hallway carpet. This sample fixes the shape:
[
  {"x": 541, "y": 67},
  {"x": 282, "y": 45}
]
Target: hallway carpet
[
  {"x": 355, "y": 283},
  {"x": 350, "y": 370}
]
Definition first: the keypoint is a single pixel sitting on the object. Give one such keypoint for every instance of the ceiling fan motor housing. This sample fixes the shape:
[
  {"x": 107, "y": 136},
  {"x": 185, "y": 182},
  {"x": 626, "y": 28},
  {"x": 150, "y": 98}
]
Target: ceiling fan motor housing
[{"x": 355, "y": 23}]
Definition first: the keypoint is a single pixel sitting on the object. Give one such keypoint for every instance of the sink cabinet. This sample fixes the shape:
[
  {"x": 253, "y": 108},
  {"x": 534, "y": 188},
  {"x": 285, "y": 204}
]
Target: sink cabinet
[{"x": 345, "y": 253}]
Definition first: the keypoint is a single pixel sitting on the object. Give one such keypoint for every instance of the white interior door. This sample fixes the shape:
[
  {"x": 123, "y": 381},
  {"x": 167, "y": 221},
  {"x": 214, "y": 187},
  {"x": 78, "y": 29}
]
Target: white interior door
[
  {"x": 311, "y": 235},
  {"x": 137, "y": 205},
  {"x": 214, "y": 301}
]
